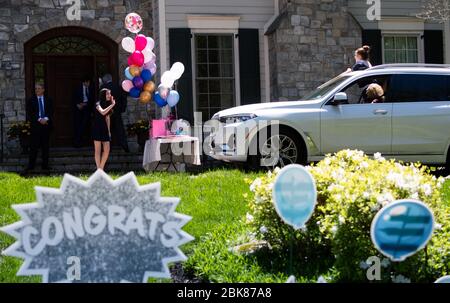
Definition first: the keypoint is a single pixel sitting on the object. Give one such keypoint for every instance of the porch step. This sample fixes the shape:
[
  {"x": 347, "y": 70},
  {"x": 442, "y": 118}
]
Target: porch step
[{"x": 71, "y": 160}]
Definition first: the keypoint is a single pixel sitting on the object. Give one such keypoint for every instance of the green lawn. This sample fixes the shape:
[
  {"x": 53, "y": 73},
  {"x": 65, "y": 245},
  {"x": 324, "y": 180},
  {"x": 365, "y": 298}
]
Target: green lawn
[{"x": 212, "y": 199}]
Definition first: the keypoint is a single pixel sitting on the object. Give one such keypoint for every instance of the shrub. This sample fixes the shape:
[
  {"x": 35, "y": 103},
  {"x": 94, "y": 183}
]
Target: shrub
[
  {"x": 352, "y": 188},
  {"x": 139, "y": 127},
  {"x": 19, "y": 129}
]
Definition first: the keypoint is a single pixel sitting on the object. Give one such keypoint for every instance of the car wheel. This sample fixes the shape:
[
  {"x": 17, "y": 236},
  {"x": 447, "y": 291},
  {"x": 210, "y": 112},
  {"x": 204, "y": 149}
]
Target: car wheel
[{"x": 279, "y": 150}]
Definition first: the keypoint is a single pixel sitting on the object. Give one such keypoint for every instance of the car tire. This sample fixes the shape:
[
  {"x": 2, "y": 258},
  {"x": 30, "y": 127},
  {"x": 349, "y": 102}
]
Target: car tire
[{"x": 292, "y": 151}]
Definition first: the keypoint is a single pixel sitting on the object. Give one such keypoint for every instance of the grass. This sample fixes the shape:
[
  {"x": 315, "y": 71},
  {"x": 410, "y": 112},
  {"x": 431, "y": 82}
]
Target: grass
[{"x": 212, "y": 199}]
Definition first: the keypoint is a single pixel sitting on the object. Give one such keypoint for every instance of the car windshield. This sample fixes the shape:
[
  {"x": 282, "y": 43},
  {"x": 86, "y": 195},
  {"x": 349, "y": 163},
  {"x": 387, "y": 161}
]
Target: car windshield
[{"x": 325, "y": 88}]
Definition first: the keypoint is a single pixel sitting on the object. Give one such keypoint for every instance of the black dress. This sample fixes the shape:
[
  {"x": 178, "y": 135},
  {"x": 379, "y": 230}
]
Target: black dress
[{"x": 99, "y": 127}]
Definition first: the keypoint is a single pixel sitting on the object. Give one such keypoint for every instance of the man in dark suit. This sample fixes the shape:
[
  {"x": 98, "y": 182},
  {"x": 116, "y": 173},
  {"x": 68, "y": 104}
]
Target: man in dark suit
[
  {"x": 40, "y": 114},
  {"x": 83, "y": 103},
  {"x": 117, "y": 128}
]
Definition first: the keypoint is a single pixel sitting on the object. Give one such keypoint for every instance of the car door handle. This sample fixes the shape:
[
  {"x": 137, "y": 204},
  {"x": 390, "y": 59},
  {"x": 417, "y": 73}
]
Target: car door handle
[{"x": 380, "y": 112}]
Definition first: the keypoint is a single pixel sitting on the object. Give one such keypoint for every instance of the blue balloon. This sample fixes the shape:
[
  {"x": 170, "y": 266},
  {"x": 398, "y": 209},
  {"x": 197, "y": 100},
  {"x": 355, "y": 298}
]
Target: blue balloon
[
  {"x": 173, "y": 98},
  {"x": 159, "y": 100},
  {"x": 135, "y": 92},
  {"x": 127, "y": 74},
  {"x": 294, "y": 195},
  {"x": 146, "y": 75},
  {"x": 402, "y": 228}
]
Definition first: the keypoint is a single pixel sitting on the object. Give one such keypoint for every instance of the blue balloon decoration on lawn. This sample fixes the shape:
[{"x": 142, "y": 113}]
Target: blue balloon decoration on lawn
[
  {"x": 173, "y": 98},
  {"x": 127, "y": 74},
  {"x": 146, "y": 75},
  {"x": 402, "y": 228},
  {"x": 135, "y": 92},
  {"x": 294, "y": 194},
  {"x": 159, "y": 100}
]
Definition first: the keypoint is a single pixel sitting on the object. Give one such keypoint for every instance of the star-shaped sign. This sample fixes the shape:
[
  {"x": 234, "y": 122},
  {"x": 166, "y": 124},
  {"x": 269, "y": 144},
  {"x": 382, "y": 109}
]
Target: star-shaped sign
[{"x": 116, "y": 230}]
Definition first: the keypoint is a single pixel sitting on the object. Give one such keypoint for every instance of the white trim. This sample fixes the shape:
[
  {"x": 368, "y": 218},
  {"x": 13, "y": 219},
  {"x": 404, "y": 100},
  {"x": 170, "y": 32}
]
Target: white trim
[
  {"x": 447, "y": 41},
  {"x": 420, "y": 42},
  {"x": 401, "y": 24},
  {"x": 211, "y": 22},
  {"x": 237, "y": 75},
  {"x": 162, "y": 36},
  {"x": 194, "y": 74},
  {"x": 213, "y": 31},
  {"x": 266, "y": 70}
]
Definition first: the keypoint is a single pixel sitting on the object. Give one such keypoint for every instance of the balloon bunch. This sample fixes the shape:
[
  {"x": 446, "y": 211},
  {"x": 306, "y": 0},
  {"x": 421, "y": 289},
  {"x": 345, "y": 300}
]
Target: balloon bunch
[
  {"x": 165, "y": 95},
  {"x": 141, "y": 63}
]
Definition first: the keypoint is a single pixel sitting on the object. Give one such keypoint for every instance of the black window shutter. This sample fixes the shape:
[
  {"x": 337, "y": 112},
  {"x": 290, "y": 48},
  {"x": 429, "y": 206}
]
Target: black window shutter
[
  {"x": 249, "y": 69},
  {"x": 372, "y": 38},
  {"x": 180, "y": 51},
  {"x": 434, "y": 46}
]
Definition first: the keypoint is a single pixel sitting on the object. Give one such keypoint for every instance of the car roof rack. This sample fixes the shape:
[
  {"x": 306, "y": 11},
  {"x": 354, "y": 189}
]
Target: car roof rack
[{"x": 383, "y": 66}]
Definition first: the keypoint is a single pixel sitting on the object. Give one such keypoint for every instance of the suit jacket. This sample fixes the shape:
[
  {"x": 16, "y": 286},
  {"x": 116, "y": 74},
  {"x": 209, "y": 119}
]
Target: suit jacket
[
  {"x": 33, "y": 111},
  {"x": 119, "y": 96},
  {"x": 77, "y": 97}
]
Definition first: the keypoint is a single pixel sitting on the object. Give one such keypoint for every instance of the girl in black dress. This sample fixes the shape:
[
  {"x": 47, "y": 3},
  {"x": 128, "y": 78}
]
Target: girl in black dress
[
  {"x": 100, "y": 127},
  {"x": 361, "y": 59}
]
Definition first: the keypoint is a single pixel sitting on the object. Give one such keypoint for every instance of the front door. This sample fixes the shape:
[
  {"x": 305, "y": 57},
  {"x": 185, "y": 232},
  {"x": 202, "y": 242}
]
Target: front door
[
  {"x": 65, "y": 73},
  {"x": 60, "y": 58}
]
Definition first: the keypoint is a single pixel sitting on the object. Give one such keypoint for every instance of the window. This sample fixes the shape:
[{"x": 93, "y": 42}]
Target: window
[
  {"x": 401, "y": 49},
  {"x": 356, "y": 92},
  {"x": 39, "y": 73},
  {"x": 215, "y": 76},
  {"x": 419, "y": 88},
  {"x": 325, "y": 88},
  {"x": 70, "y": 45}
]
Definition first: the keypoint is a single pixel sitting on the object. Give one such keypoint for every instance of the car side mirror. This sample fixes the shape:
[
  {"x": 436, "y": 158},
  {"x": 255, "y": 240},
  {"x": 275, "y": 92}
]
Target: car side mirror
[{"x": 339, "y": 98}]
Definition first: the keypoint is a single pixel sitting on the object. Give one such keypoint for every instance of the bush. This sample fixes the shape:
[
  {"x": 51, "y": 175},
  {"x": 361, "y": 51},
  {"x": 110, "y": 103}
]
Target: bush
[
  {"x": 352, "y": 188},
  {"x": 19, "y": 129}
]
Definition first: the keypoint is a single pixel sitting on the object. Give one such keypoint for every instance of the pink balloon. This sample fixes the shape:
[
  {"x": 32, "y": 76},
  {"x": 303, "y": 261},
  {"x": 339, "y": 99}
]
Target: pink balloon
[
  {"x": 136, "y": 58},
  {"x": 127, "y": 85},
  {"x": 140, "y": 42},
  {"x": 151, "y": 66}
]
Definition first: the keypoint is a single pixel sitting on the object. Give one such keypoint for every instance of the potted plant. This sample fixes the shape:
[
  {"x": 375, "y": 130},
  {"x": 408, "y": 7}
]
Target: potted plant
[
  {"x": 141, "y": 130},
  {"x": 22, "y": 131}
]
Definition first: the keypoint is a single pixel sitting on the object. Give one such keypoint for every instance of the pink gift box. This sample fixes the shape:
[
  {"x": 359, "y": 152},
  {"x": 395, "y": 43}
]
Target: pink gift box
[{"x": 159, "y": 128}]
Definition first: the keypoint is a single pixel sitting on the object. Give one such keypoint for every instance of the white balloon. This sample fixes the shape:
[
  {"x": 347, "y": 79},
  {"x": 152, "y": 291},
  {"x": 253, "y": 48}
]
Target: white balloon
[
  {"x": 177, "y": 70},
  {"x": 148, "y": 55},
  {"x": 167, "y": 79},
  {"x": 150, "y": 43},
  {"x": 128, "y": 44}
]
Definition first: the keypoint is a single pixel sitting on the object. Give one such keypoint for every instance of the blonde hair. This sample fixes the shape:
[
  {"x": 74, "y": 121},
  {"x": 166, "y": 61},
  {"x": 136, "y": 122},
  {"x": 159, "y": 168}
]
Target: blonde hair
[{"x": 375, "y": 91}]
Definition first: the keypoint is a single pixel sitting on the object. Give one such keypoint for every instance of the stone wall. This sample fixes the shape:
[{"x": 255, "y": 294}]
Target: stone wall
[
  {"x": 313, "y": 43},
  {"x": 21, "y": 20}
]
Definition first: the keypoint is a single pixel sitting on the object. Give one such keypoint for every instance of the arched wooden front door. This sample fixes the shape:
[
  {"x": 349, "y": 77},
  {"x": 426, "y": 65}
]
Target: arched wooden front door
[{"x": 60, "y": 58}]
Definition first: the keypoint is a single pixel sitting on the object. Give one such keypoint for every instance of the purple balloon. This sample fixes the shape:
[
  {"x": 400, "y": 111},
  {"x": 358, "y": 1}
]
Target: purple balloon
[{"x": 138, "y": 82}]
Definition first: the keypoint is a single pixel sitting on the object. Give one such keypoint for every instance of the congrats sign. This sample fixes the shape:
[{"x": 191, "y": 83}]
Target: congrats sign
[{"x": 100, "y": 230}]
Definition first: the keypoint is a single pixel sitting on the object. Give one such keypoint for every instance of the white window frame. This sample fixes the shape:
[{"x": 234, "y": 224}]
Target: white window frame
[
  {"x": 218, "y": 25},
  {"x": 418, "y": 35},
  {"x": 403, "y": 26}
]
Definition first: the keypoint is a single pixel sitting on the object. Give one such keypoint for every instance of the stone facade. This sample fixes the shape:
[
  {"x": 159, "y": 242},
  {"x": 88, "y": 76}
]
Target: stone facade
[
  {"x": 21, "y": 20},
  {"x": 314, "y": 42}
]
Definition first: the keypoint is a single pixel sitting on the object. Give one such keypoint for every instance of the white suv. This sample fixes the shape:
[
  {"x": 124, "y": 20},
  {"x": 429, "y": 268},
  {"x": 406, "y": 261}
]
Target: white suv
[{"x": 412, "y": 123}]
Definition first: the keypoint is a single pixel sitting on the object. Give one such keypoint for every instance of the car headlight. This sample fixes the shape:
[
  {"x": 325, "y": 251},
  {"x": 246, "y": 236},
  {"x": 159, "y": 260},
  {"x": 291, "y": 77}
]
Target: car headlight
[{"x": 237, "y": 118}]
